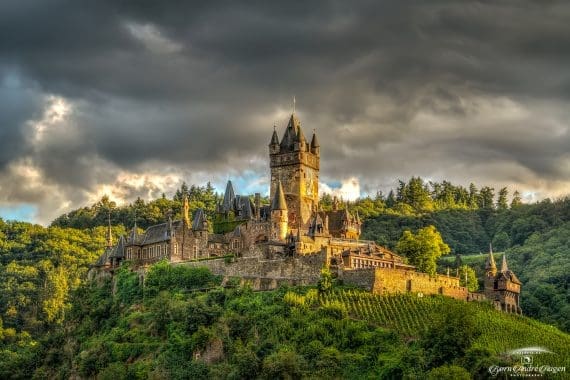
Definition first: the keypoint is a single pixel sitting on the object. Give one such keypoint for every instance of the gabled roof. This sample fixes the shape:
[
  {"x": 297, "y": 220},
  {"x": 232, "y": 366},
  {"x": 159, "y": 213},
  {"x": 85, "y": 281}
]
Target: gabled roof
[
  {"x": 133, "y": 237},
  {"x": 156, "y": 233},
  {"x": 120, "y": 248},
  {"x": 199, "y": 223},
  {"x": 104, "y": 258},
  {"x": 509, "y": 276}
]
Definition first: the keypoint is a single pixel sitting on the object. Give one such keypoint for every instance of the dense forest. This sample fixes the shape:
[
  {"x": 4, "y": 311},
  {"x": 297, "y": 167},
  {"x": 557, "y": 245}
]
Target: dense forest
[{"x": 54, "y": 324}]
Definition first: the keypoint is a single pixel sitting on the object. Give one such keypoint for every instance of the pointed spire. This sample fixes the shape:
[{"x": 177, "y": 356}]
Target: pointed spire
[
  {"x": 274, "y": 137},
  {"x": 504, "y": 267},
  {"x": 134, "y": 234},
  {"x": 300, "y": 136},
  {"x": 229, "y": 197},
  {"x": 109, "y": 232},
  {"x": 314, "y": 141},
  {"x": 490, "y": 262},
  {"x": 278, "y": 202},
  {"x": 294, "y": 103}
]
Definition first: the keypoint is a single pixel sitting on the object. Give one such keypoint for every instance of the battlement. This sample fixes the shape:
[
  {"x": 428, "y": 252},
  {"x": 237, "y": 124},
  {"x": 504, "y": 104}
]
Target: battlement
[{"x": 294, "y": 158}]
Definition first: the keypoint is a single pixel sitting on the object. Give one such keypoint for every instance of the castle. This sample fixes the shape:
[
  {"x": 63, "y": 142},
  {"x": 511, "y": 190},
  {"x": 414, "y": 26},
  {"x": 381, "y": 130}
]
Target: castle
[{"x": 290, "y": 239}]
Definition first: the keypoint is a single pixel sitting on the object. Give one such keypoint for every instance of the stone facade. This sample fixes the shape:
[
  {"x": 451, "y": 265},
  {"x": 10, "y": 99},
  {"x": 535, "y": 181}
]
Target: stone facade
[
  {"x": 398, "y": 280},
  {"x": 502, "y": 288},
  {"x": 290, "y": 239}
]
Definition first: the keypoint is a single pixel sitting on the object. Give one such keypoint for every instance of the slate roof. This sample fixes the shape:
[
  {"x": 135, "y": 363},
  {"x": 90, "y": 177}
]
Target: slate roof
[
  {"x": 274, "y": 138},
  {"x": 509, "y": 276},
  {"x": 229, "y": 197},
  {"x": 199, "y": 223},
  {"x": 314, "y": 141},
  {"x": 155, "y": 234},
  {"x": 278, "y": 202},
  {"x": 104, "y": 258},
  {"x": 243, "y": 207},
  {"x": 291, "y": 134}
]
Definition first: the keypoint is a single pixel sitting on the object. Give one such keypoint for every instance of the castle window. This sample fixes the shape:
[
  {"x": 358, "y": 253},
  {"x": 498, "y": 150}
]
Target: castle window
[
  {"x": 176, "y": 248},
  {"x": 195, "y": 252}
]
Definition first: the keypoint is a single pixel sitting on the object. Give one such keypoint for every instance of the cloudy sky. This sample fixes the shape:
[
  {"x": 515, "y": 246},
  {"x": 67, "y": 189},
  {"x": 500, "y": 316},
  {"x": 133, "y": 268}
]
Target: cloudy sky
[{"x": 130, "y": 98}]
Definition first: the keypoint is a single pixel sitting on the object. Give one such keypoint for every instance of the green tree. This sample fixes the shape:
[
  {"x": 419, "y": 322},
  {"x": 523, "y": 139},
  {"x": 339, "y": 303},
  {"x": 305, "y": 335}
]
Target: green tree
[
  {"x": 449, "y": 372},
  {"x": 501, "y": 241},
  {"x": 448, "y": 338},
  {"x": 423, "y": 249},
  {"x": 517, "y": 200},
  {"x": 325, "y": 282},
  {"x": 417, "y": 195},
  {"x": 473, "y": 197},
  {"x": 502, "y": 202},
  {"x": 486, "y": 196}
]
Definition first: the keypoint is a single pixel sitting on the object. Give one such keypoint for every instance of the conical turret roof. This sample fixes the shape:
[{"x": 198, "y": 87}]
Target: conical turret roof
[
  {"x": 278, "y": 202},
  {"x": 504, "y": 266},
  {"x": 314, "y": 141},
  {"x": 274, "y": 138}
]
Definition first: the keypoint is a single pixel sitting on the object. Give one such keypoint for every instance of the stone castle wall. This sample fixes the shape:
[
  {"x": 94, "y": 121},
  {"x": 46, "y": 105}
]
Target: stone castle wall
[
  {"x": 267, "y": 274},
  {"x": 390, "y": 280}
]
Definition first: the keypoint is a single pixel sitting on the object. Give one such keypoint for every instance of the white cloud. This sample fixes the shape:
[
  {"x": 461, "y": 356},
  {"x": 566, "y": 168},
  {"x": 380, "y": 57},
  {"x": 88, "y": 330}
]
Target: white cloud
[
  {"x": 56, "y": 113},
  {"x": 152, "y": 38},
  {"x": 349, "y": 189}
]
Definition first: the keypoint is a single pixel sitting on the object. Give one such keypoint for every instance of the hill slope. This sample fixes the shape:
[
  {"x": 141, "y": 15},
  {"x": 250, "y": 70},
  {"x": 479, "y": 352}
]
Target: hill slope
[{"x": 166, "y": 330}]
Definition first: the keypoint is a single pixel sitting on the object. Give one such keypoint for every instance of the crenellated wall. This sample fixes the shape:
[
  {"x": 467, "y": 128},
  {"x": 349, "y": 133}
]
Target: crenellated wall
[{"x": 390, "y": 280}]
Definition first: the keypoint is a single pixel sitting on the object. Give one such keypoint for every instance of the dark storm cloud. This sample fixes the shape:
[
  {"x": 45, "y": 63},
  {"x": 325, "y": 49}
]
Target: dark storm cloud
[{"x": 198, "y": 85}]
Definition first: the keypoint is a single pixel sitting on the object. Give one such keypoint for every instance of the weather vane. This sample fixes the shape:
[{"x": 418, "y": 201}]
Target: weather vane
[{"x": 293, "y": 103}]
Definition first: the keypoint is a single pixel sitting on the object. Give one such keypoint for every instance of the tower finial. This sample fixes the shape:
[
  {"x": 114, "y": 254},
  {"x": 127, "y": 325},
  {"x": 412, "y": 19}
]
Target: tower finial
[
  {"x": 504, "y": 267},
  {"x": 490, "y": 265},
  {"x": 294, "y": 103}
]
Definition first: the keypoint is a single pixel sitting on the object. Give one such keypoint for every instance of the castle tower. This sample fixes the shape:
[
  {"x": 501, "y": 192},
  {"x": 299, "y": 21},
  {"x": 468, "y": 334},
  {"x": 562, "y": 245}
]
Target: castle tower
[
  {"x": 490, "y": 273},
  {"x": 279, "y": 217},
  {"x": 503, "y": 288},
  {"x": 295, "y": 163}
]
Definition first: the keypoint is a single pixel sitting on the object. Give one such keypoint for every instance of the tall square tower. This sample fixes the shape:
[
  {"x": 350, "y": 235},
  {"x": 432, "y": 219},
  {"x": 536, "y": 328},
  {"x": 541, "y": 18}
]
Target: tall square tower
[{"x": 295, "y": 162}]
